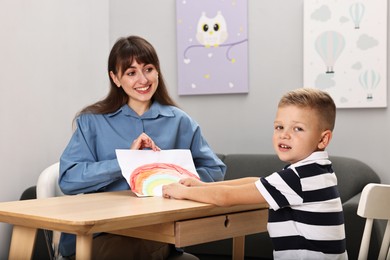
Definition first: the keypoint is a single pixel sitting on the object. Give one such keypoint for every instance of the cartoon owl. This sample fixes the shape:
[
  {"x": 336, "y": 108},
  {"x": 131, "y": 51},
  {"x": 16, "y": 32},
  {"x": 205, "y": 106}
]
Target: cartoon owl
[{"x": 212, "y": 31}]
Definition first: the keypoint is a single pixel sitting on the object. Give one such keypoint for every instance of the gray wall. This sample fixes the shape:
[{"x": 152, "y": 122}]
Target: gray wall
[{"x": 53, "y": 61}]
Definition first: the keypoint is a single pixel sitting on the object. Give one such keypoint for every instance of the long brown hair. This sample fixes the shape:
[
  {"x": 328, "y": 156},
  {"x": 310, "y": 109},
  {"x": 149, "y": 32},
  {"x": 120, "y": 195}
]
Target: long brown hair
[{"x": 122, "y": 54}]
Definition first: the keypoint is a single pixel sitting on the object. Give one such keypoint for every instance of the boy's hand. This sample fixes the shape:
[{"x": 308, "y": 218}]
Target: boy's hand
[
  {"x": 174, "y": 190},
  {"x": 191, "y": 182}
]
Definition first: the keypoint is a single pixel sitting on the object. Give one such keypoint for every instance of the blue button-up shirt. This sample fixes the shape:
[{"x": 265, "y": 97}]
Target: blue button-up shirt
[{"x": 89, "y": 162}]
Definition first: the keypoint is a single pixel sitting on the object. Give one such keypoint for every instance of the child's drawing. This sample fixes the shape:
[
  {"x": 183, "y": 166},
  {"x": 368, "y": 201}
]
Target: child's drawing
[
  {"x": 148, "y": 179},
  {"x": 147, "y": 171}
]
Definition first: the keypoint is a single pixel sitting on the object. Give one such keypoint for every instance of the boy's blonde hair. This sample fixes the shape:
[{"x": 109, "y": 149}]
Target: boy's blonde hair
[{"x": 315, "y": 99}]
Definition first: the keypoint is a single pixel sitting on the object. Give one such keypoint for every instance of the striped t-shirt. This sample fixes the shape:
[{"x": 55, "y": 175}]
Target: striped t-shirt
[{"x": 306, "y": 219}]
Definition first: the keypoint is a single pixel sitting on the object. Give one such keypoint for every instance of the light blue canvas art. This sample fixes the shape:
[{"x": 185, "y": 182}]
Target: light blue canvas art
[
  {"x": 212, "y": 46},
  {"x": 345, "y": 50}
]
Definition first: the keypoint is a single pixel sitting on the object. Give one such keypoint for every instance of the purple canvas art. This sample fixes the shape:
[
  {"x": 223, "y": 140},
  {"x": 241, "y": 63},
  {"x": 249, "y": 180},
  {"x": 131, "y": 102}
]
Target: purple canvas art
[{"x": 212, "y": 46}]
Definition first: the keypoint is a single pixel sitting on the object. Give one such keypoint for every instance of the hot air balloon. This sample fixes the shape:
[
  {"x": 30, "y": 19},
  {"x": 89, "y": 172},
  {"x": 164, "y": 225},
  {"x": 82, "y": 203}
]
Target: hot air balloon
[
  {"x": 369, "y": 80},
  {"x": 356, "y": 12},
  {"x": 329, "y": 46}
]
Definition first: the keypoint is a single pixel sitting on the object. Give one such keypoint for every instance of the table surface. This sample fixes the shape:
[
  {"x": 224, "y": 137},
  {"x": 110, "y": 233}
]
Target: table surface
[{"x": 107, "y": 211}]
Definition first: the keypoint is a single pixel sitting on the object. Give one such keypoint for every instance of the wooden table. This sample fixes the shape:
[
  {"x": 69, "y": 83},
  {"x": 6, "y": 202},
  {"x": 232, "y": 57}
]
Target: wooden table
[{"x": 179, "y": 222}]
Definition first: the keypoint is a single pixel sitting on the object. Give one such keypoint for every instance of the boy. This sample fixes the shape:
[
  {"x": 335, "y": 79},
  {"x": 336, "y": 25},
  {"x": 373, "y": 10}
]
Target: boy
[{"x": 305, "y": 220}]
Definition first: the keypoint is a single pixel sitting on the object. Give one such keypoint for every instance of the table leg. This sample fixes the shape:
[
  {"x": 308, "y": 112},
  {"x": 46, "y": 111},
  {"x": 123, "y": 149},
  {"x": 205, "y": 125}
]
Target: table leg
[
  {"x": 238, "y": 248},
  {"x": 22, "y": 242},
  {"x": 84, "y": 247}
]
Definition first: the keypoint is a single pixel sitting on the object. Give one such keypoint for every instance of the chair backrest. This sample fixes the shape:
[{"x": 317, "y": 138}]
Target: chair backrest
[
  {"x": 374, "y": 204},
  {"x": 47, "y": 185}
]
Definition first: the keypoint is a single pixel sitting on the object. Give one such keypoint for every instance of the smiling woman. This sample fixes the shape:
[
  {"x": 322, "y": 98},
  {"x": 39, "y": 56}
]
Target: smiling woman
[{"x": 137, "y": 113}]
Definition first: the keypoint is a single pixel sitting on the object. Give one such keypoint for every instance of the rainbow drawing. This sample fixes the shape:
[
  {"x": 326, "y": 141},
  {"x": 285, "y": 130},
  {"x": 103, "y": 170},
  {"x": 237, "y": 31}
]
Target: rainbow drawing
[{"x": 148, "y": 179}]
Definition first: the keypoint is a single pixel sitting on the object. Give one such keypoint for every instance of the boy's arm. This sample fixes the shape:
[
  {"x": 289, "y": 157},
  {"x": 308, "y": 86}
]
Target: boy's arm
[
  {"x": 221, "y": 195},
  {"x": 239, "y": 181},
  {"x": 196, "y": 182}
]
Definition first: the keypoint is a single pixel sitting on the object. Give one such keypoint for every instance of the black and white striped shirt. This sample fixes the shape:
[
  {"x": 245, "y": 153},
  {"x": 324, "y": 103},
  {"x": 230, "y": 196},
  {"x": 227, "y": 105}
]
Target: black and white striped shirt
[{"x": 306, "y": 218}]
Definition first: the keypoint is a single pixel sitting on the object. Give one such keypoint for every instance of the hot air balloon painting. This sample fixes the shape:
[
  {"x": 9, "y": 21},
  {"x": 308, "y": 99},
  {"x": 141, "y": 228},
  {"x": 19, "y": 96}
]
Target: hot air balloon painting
[
  {"x": 147, "y": 171},
  {"x": 329, "y": 45},
  {"x": 345, "y": 51},
  {"x": 356, "y": 11},
  {"x": 369, "y": 80}
]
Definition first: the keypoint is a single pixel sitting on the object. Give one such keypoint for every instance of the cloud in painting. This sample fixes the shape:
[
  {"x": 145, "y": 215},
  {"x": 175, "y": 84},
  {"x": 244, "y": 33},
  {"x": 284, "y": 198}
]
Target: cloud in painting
[
  {"x": 324, "y": 81},
  {"x": 321, "y": 14},
  {"x": 343, "y": 100},
  {"x": 366, "y": 42},
  {"x": 343, "y": 19},
  {"x": 357, "y": 66}
]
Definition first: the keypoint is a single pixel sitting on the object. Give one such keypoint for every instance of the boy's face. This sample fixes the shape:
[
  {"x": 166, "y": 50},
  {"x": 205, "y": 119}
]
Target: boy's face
[{"x": 297, "y": 133}]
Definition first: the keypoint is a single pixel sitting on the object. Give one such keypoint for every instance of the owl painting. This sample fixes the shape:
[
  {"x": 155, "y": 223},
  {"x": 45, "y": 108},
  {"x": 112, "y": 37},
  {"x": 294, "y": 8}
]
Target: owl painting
[{"x": 212, "y": 31}]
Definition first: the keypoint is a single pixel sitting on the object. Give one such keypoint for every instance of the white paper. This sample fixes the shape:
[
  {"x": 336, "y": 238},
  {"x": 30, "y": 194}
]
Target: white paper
[{"x": 134, "y": 161}]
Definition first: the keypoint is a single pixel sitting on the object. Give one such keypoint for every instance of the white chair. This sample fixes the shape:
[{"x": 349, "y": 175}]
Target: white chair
[
  {"x": 47, "y": 186},
  {"x": 374, "y": 204}
]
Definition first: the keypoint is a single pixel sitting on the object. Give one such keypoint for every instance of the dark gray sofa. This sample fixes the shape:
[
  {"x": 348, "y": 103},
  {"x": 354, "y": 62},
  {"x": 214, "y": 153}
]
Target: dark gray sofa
[{"x": 352, "y": 176}]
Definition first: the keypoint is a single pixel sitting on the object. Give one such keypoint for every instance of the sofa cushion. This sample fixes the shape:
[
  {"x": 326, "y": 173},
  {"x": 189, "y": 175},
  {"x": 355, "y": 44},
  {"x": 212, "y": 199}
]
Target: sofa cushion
[
  {"x": 352, "y": 176},
  {"x": 251, "y": 165}
]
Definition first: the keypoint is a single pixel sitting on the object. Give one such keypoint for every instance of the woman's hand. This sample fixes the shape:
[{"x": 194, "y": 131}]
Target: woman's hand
[{"x": 144, "y": 141}]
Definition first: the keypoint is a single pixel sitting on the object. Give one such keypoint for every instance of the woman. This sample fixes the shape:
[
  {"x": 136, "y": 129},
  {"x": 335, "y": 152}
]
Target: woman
[{"x": 137, "y": 113}]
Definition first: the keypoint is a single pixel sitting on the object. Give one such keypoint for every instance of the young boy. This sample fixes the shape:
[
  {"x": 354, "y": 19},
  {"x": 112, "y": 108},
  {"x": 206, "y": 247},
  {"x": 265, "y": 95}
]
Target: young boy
[{"x": 306, "y": 218}]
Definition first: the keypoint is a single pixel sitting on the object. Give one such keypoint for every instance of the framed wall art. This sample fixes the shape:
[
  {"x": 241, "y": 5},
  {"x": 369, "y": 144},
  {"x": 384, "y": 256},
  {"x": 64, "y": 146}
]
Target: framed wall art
[
  {"x": 345, "y": 50},
  {"x": 212, "y": 46}
]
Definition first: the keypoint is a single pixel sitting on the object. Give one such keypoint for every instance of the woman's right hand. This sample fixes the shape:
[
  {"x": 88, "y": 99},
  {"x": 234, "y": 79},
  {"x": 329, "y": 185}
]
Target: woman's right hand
[{"x": 144, "y": 141}]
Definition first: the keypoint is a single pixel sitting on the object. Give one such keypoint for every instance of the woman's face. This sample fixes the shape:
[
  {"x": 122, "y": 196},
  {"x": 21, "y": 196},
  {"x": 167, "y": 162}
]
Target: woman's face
[{"x": 140, "y": 82}]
